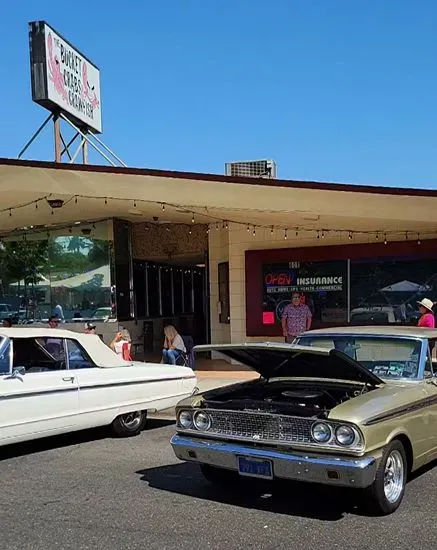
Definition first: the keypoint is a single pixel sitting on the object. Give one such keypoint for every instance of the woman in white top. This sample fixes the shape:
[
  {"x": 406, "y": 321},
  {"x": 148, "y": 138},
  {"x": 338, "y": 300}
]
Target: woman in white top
[
  {"x": 173, "y": 345},
  {"x": 121, "y": 344}
]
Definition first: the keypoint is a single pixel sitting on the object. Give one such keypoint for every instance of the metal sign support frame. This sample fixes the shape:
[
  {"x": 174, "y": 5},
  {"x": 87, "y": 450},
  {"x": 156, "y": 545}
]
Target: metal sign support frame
[{"x": 63, "y": 148}]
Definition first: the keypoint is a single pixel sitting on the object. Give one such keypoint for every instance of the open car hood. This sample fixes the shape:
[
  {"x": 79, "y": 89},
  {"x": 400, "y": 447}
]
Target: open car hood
[{"x": 273, "y": 360}]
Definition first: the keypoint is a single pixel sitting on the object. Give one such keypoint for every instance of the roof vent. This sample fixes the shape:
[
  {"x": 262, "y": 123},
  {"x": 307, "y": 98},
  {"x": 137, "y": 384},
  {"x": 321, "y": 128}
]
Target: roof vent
[{"x": 251, "y": 169}]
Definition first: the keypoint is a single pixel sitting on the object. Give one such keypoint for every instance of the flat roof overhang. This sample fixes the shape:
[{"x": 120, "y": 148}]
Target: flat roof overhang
[{"x": 106, "y": 192}]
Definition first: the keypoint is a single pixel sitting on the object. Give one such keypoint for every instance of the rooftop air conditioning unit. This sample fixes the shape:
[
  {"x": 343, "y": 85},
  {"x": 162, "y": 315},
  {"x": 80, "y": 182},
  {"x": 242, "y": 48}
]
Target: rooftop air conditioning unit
[{"x": 252, "y": 169}]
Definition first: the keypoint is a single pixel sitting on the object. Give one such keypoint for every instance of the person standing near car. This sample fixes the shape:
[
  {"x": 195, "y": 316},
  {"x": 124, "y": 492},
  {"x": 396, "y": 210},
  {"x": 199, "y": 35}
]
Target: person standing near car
[
  {"x": 90, "y": 328},
  {"x": 121, "y": 344},
  {"x": 427, "y": 319},
  {"x": 296, "y": 318}
]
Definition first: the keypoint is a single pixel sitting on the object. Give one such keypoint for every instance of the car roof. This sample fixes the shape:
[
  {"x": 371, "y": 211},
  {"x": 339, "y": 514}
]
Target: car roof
[
  {"x": 99, "y": 352},
  {"x": 389, "y": 330}
]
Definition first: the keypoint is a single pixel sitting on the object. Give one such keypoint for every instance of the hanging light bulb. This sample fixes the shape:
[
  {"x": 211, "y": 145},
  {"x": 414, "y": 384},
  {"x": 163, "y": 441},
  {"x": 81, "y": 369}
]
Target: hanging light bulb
[
  {"x": 135, "y": 203},
  {"x": 10, "y": 212},
  {"x": 286, "y": 234},
  {"x": 297, "y": 233},
  {"x": 377, "y": 236},
  {"x": 406, "y": 236},
  {"x": 385, "y": 239},
  {"x": 248, "y": 228},
  {"x": 318, "y": 234},
  {"x": 323, "y": 234},
  {"x": 192, "y": 218},
  {"x": 106, "y": 200},
  {"x": 207, "y": 229},
  {"x": 189, "y": 231},
  {"x": 226, "y": 225},
  {"x": 75, "y": 200},
  {"x": 418, "y": 239},
  {"x": 254, "y": 231},
  {"x": 36, "y": 205},
  {"x": 217, "y": 226},
  {"x": 163, "y": 207},
  {"x": 350, "y": 235},
  {"x": 271, "y": 230}
]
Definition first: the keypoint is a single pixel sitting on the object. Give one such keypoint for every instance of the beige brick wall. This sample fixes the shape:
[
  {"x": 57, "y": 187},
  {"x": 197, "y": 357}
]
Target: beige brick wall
[
  {"x": 218, "y": 252},
  {"x": 232, "y": 245}
]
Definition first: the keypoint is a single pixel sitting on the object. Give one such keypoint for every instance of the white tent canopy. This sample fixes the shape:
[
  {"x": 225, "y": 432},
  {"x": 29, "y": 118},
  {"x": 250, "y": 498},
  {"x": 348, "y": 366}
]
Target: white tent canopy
[{"x": 101, "y": 277}]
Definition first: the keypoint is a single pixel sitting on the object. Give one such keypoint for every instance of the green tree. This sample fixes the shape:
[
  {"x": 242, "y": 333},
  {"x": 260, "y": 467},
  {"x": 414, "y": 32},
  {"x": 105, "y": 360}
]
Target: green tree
[
  {"x": 23, "y": 262},
  {"x": 98, "y": 254}
]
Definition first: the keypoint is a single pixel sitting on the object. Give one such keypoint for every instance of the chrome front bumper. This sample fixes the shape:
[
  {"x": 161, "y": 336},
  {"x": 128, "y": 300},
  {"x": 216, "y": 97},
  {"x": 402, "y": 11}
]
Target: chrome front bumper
[{"x": 329, "y": 470}]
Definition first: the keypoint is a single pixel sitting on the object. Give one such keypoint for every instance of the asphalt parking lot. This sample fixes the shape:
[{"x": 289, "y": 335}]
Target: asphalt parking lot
[{"x": 90, "y": 491}]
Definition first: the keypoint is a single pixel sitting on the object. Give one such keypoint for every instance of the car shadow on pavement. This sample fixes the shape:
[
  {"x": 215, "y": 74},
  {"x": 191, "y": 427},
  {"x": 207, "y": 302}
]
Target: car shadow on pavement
[
  {"x": 288, "y": 498},
  {"x": 423, "y": 470},
  {"x": 70, "y": 439}
]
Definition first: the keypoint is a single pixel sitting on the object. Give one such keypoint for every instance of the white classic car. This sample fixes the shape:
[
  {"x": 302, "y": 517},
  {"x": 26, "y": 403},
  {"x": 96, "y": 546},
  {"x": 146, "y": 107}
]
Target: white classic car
[{"x": 55, "y": 381}]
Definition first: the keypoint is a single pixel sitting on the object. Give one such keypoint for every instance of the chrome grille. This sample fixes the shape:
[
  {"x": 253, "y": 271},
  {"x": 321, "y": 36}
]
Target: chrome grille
[{"x": 260, "y": 426}]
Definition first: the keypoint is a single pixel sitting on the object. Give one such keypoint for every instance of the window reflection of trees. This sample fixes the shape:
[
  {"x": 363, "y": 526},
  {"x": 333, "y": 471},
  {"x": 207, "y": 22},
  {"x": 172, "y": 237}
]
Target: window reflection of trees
[{"x": 71, "y": 271}]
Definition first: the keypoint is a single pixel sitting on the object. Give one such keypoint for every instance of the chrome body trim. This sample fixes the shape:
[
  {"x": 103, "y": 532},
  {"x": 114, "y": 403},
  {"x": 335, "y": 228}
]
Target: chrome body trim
[{"x": 313, "y": 468}]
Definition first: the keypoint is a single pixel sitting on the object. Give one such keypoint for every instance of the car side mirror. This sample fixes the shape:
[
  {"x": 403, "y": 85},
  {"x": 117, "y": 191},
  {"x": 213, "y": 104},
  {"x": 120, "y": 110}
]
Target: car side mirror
[{"x": 18, "y": 371}]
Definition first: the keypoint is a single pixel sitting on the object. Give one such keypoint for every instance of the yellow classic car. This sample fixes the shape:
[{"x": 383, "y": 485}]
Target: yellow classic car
[{"x": 352, "y": 406}]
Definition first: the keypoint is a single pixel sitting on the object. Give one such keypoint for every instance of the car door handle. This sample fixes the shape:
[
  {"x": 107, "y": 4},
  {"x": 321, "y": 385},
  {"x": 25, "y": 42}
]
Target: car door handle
[{"x": 68, "y": 378}]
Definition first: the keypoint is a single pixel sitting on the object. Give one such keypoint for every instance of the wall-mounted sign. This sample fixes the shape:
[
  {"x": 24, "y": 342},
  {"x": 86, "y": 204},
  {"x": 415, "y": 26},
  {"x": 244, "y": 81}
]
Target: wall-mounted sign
[
  {"x": 281, "y": 281},
  {"x": 63, "y": 79},
  {"x": 323, "y": 285}
]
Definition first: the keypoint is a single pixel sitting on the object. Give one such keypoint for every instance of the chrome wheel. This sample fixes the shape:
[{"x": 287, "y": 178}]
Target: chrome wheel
[
  {"x": 394, "y": 476},
  {"x": 131, "y": 421}
]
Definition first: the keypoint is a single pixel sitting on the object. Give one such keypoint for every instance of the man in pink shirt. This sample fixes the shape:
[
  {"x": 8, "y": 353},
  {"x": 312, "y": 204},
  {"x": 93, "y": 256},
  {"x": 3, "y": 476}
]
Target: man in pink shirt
[
  {"x": 427, "y": 318},
  {"x": 296, "y": 318}
]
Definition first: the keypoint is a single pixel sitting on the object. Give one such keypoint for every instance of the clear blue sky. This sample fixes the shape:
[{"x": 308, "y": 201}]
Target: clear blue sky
[{"x": 333, "y": 90}]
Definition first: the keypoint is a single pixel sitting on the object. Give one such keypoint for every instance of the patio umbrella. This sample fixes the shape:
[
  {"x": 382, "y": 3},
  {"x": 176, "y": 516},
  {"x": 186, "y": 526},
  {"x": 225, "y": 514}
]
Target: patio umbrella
[{"x": 405, "y": 286}]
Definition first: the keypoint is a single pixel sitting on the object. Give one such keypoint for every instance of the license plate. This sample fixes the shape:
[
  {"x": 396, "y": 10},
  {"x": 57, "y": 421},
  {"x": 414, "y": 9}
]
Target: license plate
[{"x": 255, "y": 467}]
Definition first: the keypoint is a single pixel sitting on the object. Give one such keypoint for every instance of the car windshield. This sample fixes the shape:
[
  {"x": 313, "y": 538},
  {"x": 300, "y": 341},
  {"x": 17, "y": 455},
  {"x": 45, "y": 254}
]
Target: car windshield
[{"x": 386, "y": 357}]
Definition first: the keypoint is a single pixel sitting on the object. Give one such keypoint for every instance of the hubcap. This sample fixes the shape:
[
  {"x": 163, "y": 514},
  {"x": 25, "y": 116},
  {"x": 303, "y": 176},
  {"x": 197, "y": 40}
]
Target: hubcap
[
  {"x": 131, "y": 421},
  {"x": 394, "y": 476}
]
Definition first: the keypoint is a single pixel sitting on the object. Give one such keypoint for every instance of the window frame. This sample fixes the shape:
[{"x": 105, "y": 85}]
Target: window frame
[
  {"x": 81, "y": 348},
  {"x": 35, "y": 339},
  {"x": 6, "y": 341}
]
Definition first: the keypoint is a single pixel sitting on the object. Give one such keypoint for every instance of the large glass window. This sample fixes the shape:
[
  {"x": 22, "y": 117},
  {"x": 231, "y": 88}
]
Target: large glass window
[
  {"x": 67, "y": 273},
  {"x": 323, "y": 286},
  {"x": 140, "y": 289},
  {"x": 385, "y": 291},
  {"x": 166, "y": 291},
  {"x": 188, "y": 290},
  {"x": 178, "y": 290},
  {"x": 153, "y": 291}
]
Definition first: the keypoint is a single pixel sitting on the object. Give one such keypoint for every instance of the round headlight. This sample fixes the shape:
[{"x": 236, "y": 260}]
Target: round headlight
[
  {"x": 321, "y": 432},
  {"x": 202, "y": 421},
  {"x": 185, "y": 419},
  {"x": 345, "y": 435}
]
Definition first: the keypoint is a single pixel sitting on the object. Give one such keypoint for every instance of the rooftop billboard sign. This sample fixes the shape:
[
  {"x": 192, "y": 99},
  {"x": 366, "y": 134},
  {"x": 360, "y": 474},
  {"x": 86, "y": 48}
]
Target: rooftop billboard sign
[{"x": 63, "y": 79}]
